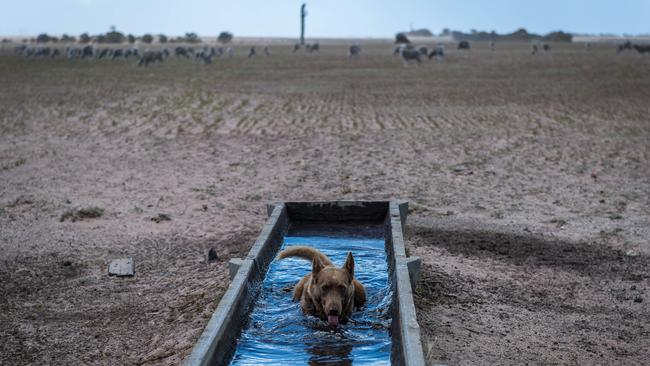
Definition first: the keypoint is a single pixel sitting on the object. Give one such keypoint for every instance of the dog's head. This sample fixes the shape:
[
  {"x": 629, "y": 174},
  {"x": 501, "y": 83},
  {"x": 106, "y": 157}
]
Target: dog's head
[{"x": 333, "y": 288}]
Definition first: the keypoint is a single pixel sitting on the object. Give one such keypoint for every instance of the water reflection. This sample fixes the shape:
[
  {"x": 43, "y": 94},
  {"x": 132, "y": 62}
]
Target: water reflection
[{"x": 329, "y": 354}]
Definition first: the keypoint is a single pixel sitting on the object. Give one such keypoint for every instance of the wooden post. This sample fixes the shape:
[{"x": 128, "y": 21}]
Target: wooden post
[{"x": 303, "y": 14}]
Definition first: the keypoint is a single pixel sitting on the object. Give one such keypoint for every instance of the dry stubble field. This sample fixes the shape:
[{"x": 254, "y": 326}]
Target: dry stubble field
[{"x": 529, "y": 179}]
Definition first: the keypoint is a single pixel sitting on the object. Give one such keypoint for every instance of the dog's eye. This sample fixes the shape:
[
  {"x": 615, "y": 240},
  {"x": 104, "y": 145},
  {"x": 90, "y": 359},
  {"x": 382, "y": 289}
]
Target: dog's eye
[{"x": 326, "y": 287}]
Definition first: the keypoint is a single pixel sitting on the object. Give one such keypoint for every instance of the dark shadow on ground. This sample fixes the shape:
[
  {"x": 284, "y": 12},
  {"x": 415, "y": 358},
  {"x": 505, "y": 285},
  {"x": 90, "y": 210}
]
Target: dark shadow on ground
[
  {"x": 590, "y": 259},
  {"x": 512, "y": 299}
]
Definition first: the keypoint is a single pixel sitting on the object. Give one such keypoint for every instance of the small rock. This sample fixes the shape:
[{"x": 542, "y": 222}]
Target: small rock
[
  {"x": 121, "y": 267},
  {"x": 638, "y": 299},
  {"x": 66, "y": 263},
  {"x": 458, "y": 168},
  {"x": 25, "y": 271},
  {"x": 212, "y": 255},
  {"x": 160, "y": 218}
]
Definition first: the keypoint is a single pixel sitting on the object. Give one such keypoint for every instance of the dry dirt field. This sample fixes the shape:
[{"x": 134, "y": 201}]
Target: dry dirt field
[{"x": 528, "y": 177}]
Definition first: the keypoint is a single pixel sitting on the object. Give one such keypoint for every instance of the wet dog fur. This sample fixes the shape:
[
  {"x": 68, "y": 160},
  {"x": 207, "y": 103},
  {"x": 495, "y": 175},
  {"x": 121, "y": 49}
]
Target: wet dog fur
[{"x": 328, "y": 292}]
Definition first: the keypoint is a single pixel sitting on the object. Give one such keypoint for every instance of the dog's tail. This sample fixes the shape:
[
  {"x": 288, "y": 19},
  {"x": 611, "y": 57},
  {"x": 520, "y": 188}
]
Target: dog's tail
[{"x": 305, "y": 253}]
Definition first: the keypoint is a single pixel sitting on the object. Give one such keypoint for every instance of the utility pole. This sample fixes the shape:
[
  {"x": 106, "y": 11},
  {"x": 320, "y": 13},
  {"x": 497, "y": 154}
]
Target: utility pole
[{"x": 303, "y": 14}]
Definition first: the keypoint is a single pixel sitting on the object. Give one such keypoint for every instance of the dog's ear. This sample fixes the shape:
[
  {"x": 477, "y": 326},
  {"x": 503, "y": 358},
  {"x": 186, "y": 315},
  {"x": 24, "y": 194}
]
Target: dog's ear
[
  {"x": 349, "y": 265},
  {"x": 316, "y": 265}
]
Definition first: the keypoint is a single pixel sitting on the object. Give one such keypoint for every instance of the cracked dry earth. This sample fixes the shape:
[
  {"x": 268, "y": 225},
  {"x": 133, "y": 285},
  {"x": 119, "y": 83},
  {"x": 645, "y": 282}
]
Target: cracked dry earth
[{"x": 528, "y": 177}]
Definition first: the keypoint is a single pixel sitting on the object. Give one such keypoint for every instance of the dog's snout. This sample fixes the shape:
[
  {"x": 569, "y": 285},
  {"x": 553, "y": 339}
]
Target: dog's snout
[{"x": 333, "y": 312}]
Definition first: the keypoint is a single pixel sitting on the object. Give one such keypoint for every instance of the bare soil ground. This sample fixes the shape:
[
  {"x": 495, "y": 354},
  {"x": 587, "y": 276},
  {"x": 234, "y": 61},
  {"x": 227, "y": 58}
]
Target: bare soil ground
[{"x": 529, "y": 178}]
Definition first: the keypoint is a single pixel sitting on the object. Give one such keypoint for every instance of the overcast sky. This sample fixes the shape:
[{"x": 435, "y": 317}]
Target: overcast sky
[{"x": 326, "y": 18}]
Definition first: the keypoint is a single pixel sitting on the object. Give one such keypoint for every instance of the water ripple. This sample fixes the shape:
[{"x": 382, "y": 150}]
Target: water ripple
[{"x": 280, "y": 334}]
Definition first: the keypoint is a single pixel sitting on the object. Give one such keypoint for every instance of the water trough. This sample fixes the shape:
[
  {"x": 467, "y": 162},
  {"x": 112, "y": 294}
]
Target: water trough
[{"x": 387, "y": 327}]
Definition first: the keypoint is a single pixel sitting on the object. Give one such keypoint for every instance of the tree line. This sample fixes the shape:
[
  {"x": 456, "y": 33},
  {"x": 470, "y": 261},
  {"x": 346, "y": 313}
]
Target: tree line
[
  {"x": 114, "y": 36},
  {"x": 474, "y": 35}
]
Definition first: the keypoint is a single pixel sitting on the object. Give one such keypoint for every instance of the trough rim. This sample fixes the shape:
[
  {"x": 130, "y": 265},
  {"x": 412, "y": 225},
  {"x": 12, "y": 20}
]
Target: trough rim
[
  {"x": 411, "y": 353},
  {"x": 205, "y": 347}
]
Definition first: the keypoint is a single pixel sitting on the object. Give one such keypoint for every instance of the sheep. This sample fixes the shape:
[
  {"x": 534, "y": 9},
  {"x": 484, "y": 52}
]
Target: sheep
[
  {"x": 410, "y": 53},
  {"x": 438, "y": 52},
  {"x": 355, "y": 50}
]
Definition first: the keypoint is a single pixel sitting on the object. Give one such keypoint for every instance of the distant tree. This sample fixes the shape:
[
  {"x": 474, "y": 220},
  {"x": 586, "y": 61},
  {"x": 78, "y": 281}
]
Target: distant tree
[
  {"x": 67, "y": 38},
  {"x": 225, "y": 37},
  {"x": 84, "y": 38},
  {"x": 522, "y": 32},
  {"x": 130, "y": 38},
  {"x": 162, "y": 38},
  {"x": 43, "y": 38},
  {"x": 192, "y": 38},
  {"x": 559, "y": 36},
  {"x": 100, "y": 38},
  {"x": 147, "y": 38},
  {"x": 445, "y": 32},
  {"x": 114, "y": 36},
  {"x": 401, "y": 38}
]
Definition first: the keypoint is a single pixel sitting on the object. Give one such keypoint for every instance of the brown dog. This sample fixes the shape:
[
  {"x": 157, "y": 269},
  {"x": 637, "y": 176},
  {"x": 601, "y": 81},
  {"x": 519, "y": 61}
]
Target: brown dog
[{"x": 327, "y": 292}]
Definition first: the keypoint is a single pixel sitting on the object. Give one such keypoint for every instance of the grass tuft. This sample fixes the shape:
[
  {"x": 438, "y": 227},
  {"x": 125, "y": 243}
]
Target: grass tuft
[{"x": 75, "y": 215}]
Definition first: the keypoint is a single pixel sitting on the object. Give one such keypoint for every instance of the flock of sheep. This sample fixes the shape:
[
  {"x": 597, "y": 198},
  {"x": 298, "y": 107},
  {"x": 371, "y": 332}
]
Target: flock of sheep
[
  {"x": 202, "y": 54},
  {"x": 206, "y": 54},
  {"x": 413, "y": 53},
  {"x": 642, "y": 49}
]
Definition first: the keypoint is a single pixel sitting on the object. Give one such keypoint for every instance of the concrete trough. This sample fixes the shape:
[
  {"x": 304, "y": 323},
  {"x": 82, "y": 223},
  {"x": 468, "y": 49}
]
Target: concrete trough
[{"x": 218, "y": 342}]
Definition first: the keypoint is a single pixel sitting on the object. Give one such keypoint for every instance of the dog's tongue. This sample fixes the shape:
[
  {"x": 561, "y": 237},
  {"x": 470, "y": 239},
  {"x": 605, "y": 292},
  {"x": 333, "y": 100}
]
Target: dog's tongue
[{"x": 333, "y": 320}]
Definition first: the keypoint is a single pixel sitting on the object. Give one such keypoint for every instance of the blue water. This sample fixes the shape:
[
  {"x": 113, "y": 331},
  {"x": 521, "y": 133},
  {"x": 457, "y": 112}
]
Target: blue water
[{"x": 280, "y": 334}]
